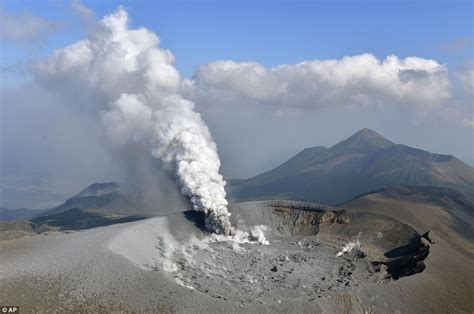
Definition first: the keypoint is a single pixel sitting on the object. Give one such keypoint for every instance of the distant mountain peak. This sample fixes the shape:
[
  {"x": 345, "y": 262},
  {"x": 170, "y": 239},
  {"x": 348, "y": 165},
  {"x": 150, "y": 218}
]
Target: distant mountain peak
[
  {"x": 366, "y": 138},
  {"x": 367, "y": 132},
  {"x": 365, "y": 161},
  {"x": 98, "y": 189}
]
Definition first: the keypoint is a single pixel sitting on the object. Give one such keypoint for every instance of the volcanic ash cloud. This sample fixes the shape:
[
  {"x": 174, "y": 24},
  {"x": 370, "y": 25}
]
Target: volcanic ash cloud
[{"x": 134, "y": 87}]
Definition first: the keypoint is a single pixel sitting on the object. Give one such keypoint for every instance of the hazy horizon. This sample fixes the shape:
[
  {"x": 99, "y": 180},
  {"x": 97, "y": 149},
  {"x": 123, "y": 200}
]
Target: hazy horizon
[{"x": 266, "y": 84}]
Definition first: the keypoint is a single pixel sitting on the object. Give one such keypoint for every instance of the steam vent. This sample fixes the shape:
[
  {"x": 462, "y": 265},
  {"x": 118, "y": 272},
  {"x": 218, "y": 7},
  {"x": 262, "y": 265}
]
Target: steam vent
[{"x": 309, "y": 250}]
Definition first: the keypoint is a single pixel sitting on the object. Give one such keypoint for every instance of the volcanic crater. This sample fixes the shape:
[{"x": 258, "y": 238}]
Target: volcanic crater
[{"x": 310, "y": 251}]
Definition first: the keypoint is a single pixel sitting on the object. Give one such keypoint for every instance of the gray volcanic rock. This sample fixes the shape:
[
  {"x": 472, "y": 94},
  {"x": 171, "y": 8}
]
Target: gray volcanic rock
[
  {"x": 363, "y": 162},
  {"x": 319, "y": 259}
]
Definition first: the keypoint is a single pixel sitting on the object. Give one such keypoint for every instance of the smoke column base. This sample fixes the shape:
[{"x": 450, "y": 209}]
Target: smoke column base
[{"x": 218, "y": 223}]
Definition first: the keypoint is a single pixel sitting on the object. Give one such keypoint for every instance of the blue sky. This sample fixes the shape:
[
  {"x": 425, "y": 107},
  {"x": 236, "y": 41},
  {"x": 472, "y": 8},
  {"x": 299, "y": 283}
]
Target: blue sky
[
  {"x": 44, "y": 150},
  {"x": 277, "y": 32}
]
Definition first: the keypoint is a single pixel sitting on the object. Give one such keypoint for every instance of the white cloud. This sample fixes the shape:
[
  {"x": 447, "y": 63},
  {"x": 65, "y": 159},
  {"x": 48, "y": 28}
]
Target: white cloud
[
  {"x": 25, "y": 27},
  {"x": 83, "y": 11},
  {"x": 466, "y": 75},
  {"x": 361, "y": 80}
]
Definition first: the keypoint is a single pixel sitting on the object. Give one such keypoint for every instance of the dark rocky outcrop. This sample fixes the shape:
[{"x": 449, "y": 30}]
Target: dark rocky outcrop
[{"x": 409, "y": 259}]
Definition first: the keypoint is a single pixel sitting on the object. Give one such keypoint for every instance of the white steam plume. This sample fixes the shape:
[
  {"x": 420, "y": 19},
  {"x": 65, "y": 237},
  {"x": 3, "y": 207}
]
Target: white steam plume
[
  {"x": 348, "y": 247},
  {"x": 136, "y": 87}
]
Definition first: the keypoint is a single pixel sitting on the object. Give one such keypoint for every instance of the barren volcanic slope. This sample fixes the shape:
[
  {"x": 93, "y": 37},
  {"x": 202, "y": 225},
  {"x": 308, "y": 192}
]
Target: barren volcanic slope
[
  {"x": 447, "y": 213},
  {"x": 363, "y": 162},
  {"x": 318, "y": 259}
]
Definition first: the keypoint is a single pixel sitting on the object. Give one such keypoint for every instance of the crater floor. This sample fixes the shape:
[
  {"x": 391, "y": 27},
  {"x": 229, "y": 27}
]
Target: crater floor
[
  {"x": 309, "y": 252},
  {"x": 289, "y": 267}
]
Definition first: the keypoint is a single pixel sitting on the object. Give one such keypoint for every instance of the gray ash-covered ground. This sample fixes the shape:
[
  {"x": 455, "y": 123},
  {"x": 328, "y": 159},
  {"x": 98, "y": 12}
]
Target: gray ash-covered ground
[
  {"x": 289, "y": 267},
  {"x": 281, "y": 251},
  {"x": 167, "y": 264}
]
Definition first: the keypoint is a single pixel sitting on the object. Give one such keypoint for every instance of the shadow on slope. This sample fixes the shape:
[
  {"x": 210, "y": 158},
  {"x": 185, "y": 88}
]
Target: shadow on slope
[
  {"x": 78, "y": 219},
  {"x": 448, "y": 213}
]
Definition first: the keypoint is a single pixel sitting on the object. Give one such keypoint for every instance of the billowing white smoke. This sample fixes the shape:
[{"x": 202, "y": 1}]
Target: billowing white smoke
[{"x": 137, "y": 87}]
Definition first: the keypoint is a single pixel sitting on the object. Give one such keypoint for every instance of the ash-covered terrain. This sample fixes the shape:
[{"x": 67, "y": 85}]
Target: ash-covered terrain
[
  {"x": 293, "y": 250},
  {"x": 284, "y": 256}
]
